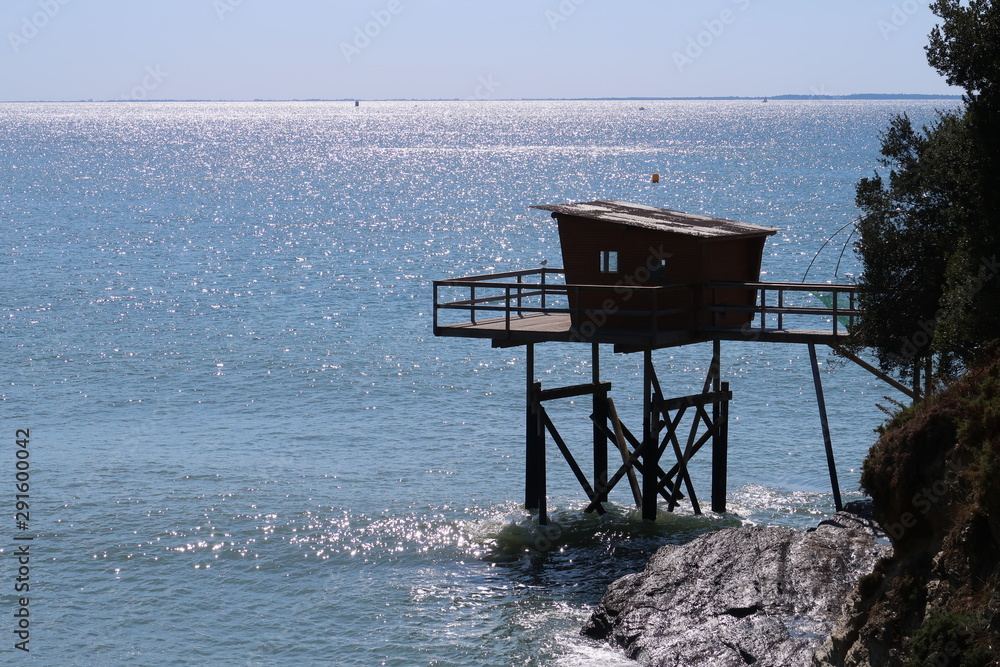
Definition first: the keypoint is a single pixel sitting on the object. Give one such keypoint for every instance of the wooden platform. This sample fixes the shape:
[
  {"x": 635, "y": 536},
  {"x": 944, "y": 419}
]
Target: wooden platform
[
  {"x": 524, "y": 307},
  {"x": 558, "y": 327}
]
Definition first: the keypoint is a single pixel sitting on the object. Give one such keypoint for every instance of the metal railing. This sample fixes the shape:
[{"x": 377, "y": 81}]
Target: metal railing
[
  {"x": 795, "y": 300},
  {"x": 499, "y": 296},
  {"x": 520, "y": 294}
]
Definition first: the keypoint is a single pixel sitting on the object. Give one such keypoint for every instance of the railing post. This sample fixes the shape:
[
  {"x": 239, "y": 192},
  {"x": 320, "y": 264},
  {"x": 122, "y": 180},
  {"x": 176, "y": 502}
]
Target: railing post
[
  {"x": 520, "y": 290},
  {"x": 836, "y": 301},
  {"x": 472, "y": 304},
  {"x": 435, "y": 306},
  {"x": 763, "y": 308},
  {"x": 543, "y": 288},
  {"x": 781, "y": 307},
  {"x": 851, "y": 299},
  {"x": 506, "y": 310}
]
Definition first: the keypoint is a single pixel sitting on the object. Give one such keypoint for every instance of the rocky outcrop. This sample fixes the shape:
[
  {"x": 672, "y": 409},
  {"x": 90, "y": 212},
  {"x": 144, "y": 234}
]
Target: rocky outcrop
[
  {"x": 934, "y": 478},
  {"x": 741, "y": 596}
]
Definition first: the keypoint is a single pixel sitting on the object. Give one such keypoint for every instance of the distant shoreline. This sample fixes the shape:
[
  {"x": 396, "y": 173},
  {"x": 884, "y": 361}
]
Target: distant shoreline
[{"x": 760, "y": 98}]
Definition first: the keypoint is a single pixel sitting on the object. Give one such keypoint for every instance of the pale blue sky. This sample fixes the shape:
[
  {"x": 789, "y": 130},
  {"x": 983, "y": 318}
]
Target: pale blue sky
[{"x": 286, "y": 49}]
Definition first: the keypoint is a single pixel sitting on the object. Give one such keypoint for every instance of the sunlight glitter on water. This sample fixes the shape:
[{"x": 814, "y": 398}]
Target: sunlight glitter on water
[{"x": 243, "y": 418}]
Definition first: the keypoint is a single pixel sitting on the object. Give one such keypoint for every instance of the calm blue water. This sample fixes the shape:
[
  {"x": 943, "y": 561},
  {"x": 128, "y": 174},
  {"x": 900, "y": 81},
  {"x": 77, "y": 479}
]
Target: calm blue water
[{"x": 248, "y": 448}]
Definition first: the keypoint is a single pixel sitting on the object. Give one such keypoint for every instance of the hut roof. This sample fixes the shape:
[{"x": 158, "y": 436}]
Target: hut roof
[{"x": 661, "y": 219}]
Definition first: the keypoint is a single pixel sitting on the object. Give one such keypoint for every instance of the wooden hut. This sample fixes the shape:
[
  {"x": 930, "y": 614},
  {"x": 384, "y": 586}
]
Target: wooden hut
[{"x": 640, "y": 266}]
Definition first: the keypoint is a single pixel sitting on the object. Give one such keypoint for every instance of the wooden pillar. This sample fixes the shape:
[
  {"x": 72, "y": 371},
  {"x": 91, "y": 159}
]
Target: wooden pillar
[
  {"x": 650, "y": 449},
  {"x": 720, "y": 441},
  {"x": 534, "y": 440},
  {"x": 600, "y": 406},
  {"x": 818, "y": 382},
  {"x": 720, "y": 453}
]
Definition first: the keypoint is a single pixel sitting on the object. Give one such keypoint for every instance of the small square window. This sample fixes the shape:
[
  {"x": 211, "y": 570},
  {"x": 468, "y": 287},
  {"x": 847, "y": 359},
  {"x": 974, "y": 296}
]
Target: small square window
[{"x": 609, "y": 261}]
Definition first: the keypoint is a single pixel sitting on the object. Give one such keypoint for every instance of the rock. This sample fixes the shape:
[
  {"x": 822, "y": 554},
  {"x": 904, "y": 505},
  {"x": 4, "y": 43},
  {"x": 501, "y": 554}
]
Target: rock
[
  {"x": 934, "y": 480},
  {"x": 740, "y": 596}
]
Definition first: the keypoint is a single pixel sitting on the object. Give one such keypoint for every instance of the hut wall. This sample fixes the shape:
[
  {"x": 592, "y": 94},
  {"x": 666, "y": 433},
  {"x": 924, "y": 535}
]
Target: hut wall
[{"x": 688, "y": 260}]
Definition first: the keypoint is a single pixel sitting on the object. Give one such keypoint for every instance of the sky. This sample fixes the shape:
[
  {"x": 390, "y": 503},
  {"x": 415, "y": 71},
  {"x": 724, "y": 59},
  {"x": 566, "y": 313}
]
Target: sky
[{"x": 452, "y": 49}]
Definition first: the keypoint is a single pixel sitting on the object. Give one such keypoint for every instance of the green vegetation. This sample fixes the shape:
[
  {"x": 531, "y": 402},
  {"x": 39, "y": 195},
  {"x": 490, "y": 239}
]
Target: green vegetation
[
  {"x": 930, "y": 231},
  {"x": 933, "y": 480},
  {"x": 945, "y": 638}
]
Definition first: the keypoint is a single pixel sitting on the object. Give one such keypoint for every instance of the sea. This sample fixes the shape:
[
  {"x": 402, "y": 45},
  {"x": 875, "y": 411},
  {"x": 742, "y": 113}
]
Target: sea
[{"x": 242, "y": 443}]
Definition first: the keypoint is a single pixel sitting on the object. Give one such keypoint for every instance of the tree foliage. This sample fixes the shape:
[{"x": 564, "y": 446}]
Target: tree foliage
[{"x": 930, "y": 231}]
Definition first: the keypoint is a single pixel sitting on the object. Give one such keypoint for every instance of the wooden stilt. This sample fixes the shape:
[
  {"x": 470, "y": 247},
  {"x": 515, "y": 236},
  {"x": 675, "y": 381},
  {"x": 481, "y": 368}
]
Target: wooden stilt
[
  {"x": 818, "y": 382},
  {"x": 534, "y": 438},
  {"x": 600, "y": 404},
  {"x": 720, "y": 453},
  {"x": 650, "y": 440},
  {"x": 720, "y": 444},
  {"x": 530, "y": 431},
  {"x": 543, "y": 516}
]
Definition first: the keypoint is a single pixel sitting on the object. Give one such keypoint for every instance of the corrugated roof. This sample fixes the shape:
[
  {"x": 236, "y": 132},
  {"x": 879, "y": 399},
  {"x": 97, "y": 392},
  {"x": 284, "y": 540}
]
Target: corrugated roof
[{"x": 649, "y": 217}]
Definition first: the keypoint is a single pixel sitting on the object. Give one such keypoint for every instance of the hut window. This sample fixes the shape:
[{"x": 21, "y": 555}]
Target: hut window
[{"x": 609, "y": 261}]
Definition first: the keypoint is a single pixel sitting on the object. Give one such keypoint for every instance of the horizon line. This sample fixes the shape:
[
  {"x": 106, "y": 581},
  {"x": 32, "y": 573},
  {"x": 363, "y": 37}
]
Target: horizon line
[{"x": 788, "y": 97}]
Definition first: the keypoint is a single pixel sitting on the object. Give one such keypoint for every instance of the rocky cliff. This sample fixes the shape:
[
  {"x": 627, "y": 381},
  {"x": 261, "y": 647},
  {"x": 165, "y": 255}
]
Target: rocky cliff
[
  {"x": 934, "y": 478},
  {"x": 770, "y": 596},
  {"x": 741, "y": 596}
]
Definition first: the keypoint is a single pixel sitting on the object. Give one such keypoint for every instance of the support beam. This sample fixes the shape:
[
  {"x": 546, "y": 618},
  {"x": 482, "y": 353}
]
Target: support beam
[
  {"x": 899, "y": 386},
  {"x": 573, "y": 465},
  {"x": 626, "y": 456},
  {"x": 573, "y": 391},
  {"x": 818, "y": 382}
]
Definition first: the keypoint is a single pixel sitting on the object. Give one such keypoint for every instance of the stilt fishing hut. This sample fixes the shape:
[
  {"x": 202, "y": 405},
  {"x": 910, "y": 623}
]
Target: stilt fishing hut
[
  {"x": 624, "y": 245},
  {"x": 643, "y": 278}
]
